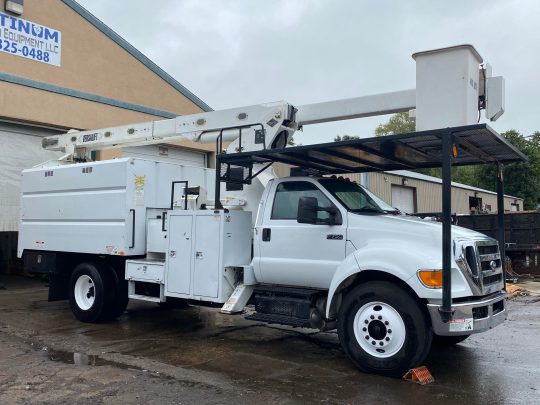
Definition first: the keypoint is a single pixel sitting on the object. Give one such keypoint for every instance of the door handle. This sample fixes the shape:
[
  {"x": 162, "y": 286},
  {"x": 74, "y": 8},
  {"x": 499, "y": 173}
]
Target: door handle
[
  {"x": 266, "y": 234},
  {"x": 132, "y": 229}
]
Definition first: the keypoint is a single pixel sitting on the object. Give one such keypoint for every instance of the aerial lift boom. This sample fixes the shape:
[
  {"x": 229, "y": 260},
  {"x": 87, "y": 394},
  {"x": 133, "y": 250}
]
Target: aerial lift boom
[{"x": 447, "y": 79}]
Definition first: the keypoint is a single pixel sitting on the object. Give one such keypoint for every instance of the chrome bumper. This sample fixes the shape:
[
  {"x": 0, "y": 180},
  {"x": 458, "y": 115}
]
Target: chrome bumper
[{"x": 470, "y": 317}]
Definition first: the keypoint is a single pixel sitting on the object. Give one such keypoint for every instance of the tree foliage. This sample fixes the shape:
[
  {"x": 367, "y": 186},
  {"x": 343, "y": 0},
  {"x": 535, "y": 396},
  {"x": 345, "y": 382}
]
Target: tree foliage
[
  {"x": 339, "y": 138},
  {"x": 520, "y": 179},
  {"x": 397, "y": 124}
]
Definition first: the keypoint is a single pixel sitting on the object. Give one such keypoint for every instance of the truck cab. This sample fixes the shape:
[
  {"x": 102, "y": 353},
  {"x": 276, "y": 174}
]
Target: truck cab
[{"x": 330, "y": 253}]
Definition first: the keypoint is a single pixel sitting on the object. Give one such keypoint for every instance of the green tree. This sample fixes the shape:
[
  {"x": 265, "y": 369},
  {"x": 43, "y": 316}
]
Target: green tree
[
  {"x": 401, "y": 123},
  {"x": 397, "y": 124},
  {"x": 339, "y": 138},
  {"x": 520, "y": 179}
]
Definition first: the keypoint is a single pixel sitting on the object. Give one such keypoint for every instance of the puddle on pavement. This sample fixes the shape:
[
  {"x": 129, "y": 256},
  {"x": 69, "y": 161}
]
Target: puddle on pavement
[{"x": 83, "y": 359}]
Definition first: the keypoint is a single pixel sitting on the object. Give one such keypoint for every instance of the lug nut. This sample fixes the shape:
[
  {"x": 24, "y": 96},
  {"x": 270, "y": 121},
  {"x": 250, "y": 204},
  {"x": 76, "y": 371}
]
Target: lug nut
[
  {"x": 367, "y": 337},
  {"x": 372, "y": 317},
  {"x": 380, "y": 317},
  {"x": 366, "y": 321},
  {"x": 387, "y": 339},
  {"x": 373, "y": 343},
  {"x": 364, "y": 329},
  {"x": 389, "y": 330},
  {"x": 381, "y": 343},
  {"x": 386, "y": 322}
]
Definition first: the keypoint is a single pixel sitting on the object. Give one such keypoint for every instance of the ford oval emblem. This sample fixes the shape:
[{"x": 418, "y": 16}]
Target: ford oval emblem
[{"x": 493, "y": 264}]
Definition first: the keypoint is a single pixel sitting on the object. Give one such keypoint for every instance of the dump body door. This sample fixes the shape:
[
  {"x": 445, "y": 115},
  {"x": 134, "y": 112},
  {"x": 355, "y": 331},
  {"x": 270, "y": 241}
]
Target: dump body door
[{"x": 298, "y": 254}]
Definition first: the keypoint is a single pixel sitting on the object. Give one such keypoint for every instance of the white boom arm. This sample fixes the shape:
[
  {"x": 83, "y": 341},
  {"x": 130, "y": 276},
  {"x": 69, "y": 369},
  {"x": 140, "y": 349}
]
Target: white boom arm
[
  {"x": 450, "y": 91},
  {"x": 248, "y": 128}
]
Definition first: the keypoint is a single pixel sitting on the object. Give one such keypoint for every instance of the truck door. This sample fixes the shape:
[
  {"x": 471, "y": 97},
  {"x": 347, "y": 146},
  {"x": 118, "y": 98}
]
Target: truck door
[{"x": 298, "y": 254}]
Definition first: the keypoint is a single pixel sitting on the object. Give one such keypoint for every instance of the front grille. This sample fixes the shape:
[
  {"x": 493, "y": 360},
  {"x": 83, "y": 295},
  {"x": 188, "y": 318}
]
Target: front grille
[
  {"x": 487, "y": 249},
  {"x": 486, "y": 265},
  {"x": 490, "y": 263},
  {"x": 492, "y": 279},
  {"x": 470, "y": 256},
  {"x": 482, "y": 262}
]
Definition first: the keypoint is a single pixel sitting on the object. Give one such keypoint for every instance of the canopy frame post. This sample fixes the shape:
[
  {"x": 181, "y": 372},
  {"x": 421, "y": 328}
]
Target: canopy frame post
[
  {"x": 446, "y": 157},
  {"x": 500, "y": 218}
]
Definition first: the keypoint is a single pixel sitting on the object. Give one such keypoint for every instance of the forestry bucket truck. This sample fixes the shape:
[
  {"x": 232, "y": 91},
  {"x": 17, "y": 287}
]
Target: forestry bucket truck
[{"x": 311, "y": 250}]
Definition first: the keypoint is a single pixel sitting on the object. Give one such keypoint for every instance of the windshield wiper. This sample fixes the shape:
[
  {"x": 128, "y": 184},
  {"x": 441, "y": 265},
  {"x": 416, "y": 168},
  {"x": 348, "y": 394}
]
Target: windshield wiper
[
  {"x": 393, "y": 212},
  {"x": 370, "y": 209}
]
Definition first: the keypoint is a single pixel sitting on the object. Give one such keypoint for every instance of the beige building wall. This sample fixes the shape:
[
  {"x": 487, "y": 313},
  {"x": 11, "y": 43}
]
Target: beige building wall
[
  {"x": 429, "y": 195},
  {"x": 92, "y": 63}
]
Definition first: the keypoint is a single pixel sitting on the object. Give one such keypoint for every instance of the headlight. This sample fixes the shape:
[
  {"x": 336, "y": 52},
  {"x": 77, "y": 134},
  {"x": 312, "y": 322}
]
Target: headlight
[{"x": 431, "y": 278}]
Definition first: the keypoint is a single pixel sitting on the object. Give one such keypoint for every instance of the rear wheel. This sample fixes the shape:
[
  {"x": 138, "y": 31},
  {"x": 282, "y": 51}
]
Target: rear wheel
[
  {"x": 92, "y": 292},
  {"x": 383, "y": 329}
]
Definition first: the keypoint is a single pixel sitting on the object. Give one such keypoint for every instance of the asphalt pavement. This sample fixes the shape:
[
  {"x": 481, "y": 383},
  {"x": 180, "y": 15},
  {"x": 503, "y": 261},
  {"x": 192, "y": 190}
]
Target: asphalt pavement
[{"x": 197, "y": 355}]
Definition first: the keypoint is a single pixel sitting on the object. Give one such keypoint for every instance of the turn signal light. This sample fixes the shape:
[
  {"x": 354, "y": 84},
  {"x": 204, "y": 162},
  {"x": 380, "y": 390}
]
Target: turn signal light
[{"x": 431, "y": 278}]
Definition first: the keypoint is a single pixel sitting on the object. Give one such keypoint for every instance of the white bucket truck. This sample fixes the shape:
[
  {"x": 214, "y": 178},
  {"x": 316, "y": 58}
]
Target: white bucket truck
[{"x": 308, "y": 250}]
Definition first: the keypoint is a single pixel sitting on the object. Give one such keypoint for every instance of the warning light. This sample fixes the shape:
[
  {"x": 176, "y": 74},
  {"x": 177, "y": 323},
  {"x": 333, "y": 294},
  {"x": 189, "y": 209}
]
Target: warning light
[
  {"x": 454, "y": 151},
  {"x": 431, "y": 278}
]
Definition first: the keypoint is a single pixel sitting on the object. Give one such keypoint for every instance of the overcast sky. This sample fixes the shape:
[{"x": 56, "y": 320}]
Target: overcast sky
[{"x": 232, "y": 53}]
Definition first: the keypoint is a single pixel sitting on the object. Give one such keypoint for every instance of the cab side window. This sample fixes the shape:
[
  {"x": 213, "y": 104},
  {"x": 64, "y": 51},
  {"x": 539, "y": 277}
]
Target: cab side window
[{"x": 288, "y": 194}]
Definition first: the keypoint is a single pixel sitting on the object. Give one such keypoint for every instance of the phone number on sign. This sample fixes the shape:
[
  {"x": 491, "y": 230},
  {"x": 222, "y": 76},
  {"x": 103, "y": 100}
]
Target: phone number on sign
[{"x": 8, "y": 46}]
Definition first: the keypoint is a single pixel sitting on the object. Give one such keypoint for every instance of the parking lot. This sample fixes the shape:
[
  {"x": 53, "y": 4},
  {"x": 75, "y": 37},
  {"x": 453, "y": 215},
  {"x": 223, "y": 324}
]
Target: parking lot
[{"x": 194, "y": 355}]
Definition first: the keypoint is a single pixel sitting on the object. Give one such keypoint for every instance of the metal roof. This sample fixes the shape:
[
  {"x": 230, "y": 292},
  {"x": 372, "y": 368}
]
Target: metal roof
[{"x": 476, "y": 144}]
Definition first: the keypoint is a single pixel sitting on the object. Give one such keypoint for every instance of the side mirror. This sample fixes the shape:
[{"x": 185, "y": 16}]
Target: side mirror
[{"x": 308, "y": 209}]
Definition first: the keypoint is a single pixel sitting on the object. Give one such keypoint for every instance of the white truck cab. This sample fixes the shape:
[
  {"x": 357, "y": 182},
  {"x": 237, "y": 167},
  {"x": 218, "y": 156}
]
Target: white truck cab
[{"x": 334, "y": 236}]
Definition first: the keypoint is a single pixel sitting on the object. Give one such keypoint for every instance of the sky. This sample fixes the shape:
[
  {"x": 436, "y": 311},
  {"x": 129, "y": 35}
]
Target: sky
[{"x": 232, "y": 53}]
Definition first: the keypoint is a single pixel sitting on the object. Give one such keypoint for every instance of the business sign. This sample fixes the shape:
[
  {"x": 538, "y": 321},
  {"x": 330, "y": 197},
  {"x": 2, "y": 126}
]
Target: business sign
[{"x": 28, "y": 40}]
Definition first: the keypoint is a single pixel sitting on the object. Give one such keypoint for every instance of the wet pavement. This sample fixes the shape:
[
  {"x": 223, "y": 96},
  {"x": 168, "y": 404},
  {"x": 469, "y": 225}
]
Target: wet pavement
[{"x": 225, "y": 358}]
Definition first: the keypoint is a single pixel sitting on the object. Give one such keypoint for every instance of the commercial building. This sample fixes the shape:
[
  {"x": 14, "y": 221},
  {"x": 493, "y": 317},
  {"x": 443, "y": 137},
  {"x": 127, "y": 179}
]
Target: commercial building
[
  {"x": 413, "y": 192},
  {"x": 61, "y": 68}
]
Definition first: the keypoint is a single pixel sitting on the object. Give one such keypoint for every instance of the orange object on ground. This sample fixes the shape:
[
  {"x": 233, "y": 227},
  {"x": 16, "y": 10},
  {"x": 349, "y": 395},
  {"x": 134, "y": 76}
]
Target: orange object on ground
[{"x": 420, "y": 375}]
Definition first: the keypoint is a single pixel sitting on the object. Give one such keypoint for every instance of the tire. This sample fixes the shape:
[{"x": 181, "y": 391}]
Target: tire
[
  {"x": 392, "y": 344},
  {"x": 92, "y": 292},
  {"x": 448, "y": 340}
]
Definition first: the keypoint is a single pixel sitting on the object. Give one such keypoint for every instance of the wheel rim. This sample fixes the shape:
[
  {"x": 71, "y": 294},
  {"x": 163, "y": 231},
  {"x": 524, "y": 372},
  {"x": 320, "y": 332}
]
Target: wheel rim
[
  {"x": 379, "y": 329},
  {"x": 85, "y": 292}
]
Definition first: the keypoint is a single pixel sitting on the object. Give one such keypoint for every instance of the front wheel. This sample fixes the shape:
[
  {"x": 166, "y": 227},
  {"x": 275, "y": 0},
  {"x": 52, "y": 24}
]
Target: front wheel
[{"x": 383, "y": 329}]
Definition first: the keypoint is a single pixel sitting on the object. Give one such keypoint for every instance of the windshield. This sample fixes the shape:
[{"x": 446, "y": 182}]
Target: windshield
[
  {"x": 380, "y": 202},
  {"x": 356, "y": 198}
]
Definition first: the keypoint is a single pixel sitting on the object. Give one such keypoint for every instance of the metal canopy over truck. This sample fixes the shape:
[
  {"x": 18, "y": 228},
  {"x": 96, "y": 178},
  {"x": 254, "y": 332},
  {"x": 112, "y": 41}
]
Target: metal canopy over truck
[
  {"x": 458, "y": 146},
  {"x": 306, "y": 250}
]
